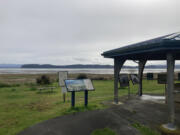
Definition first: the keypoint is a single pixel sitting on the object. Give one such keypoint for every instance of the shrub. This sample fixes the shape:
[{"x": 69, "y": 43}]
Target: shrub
[
  {"x": 82, "y": 76},
  {"x": 99, "y": 78},
  {"x": 13, "y": 89},
  {"x": 2, "y": 85},
  {"x": 33, "y": 88},
  {"x": 57, "y": 80},
  {"x": 38, "y": 81},
  {"x": 43, "y": 80},
  {"x": 16, "y": 85}
]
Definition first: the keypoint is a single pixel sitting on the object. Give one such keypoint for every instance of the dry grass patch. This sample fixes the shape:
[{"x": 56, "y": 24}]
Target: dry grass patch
[{"x": 39, "y": 106}]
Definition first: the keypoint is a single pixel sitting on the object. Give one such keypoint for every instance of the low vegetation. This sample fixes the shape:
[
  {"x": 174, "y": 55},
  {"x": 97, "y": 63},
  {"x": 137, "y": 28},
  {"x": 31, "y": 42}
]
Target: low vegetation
[
  {"x": 3, "y": 85},
  {"x": 105, "y": 131},
  {"x": 22, "y": 105},
  {"x": 144, "y": 130}
]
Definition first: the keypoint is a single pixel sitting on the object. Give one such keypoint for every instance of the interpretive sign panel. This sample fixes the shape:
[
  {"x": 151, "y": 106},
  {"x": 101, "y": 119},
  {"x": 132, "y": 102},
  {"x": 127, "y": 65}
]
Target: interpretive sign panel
[
  {"x": 134, "y": 79},
  {"x": 79, "y": 85},
  {"x": 162, "y": 79},
  {"x": 62, "y": 76},
  {"x": 123, "y": 80}
]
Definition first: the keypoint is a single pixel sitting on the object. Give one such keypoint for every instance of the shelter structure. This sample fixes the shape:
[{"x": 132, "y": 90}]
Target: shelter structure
[{"x": 162, "y": 48}]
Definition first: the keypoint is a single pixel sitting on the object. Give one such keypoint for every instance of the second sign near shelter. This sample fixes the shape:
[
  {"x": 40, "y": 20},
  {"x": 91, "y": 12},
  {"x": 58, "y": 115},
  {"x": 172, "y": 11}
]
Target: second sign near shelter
[{"x": 124, "y": 80}]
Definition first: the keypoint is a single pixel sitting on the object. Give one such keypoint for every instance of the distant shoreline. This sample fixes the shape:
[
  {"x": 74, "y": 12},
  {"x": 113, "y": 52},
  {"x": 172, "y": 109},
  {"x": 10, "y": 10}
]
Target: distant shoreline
[{"x": 77, "y": 66}]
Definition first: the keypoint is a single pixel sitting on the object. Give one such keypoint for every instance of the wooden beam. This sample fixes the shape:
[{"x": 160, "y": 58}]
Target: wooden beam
[
  {"x": 141, "y": 66},
  {"x": 118, "y": 63}
]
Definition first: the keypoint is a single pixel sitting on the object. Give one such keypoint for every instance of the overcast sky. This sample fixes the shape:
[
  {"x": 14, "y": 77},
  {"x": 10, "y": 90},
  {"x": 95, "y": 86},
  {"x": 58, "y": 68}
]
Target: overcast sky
[{"x": 78, "y": 31}]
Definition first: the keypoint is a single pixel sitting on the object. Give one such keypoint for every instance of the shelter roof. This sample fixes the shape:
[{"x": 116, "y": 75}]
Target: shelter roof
[{"x": 153, "y": 49}]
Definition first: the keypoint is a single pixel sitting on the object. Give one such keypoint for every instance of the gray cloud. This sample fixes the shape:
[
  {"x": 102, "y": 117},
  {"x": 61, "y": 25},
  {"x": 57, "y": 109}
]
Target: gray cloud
[{"x": 67, "y": 31}]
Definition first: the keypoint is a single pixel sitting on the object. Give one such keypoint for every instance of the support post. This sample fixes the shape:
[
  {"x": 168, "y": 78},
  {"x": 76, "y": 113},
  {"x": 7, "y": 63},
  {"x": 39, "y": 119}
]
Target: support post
[
  {"x": 72, "y": 98},
  {"x": 85, "y": 98},
  {"x": 64, "y": 97},
  {"x": 128, "y": 92},
  {"x": 118, "y": 63},
  {"x": 170, "y": 89},
  {"x": 141, "y": 66}
]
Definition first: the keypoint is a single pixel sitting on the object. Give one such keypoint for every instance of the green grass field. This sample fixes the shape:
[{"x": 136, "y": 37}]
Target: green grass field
[{"x": 22, "y": 106}]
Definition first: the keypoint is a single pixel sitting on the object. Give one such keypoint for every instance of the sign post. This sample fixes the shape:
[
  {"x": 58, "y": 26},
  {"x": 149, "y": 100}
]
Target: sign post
[
  {"x": 72, "y": 98},
  {"x": 134, "y": 79},
  {"x": 162, "y": 79},
  {"x": 85, "y": 98},
  {"x": 63, "y": 75},
  {"x": 128, "y": 92},
  {"x": 64, "y": 97}
]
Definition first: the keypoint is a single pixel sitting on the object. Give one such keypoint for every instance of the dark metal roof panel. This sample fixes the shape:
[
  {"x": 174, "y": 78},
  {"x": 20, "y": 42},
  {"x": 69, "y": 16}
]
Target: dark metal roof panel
[{"x": 169, "y": 41}]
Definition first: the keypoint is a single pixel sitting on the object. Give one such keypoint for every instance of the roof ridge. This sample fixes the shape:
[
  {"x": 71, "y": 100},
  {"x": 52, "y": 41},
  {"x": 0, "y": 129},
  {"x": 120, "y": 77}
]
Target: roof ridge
[{"x": 173, "y": 36}]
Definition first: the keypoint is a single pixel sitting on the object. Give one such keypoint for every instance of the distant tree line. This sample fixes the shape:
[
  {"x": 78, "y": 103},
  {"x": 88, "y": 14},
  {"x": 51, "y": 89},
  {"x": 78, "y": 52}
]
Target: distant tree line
[
  {"x": 65, "y": 66},
  {"x": 89, "y": 66}
]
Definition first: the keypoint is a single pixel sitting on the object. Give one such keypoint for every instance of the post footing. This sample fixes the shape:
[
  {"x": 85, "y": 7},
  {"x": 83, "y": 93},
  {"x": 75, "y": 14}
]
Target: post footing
[{"x": 169, "y": 126}]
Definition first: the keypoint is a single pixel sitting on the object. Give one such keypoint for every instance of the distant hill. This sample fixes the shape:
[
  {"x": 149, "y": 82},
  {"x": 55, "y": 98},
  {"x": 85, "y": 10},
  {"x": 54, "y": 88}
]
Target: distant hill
[
  {"x": 10, "y": 65},
  {"x": 65, "y": 66},
  {"x": 89, "y": 66},
  {"x": 76, "y": 66}
]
